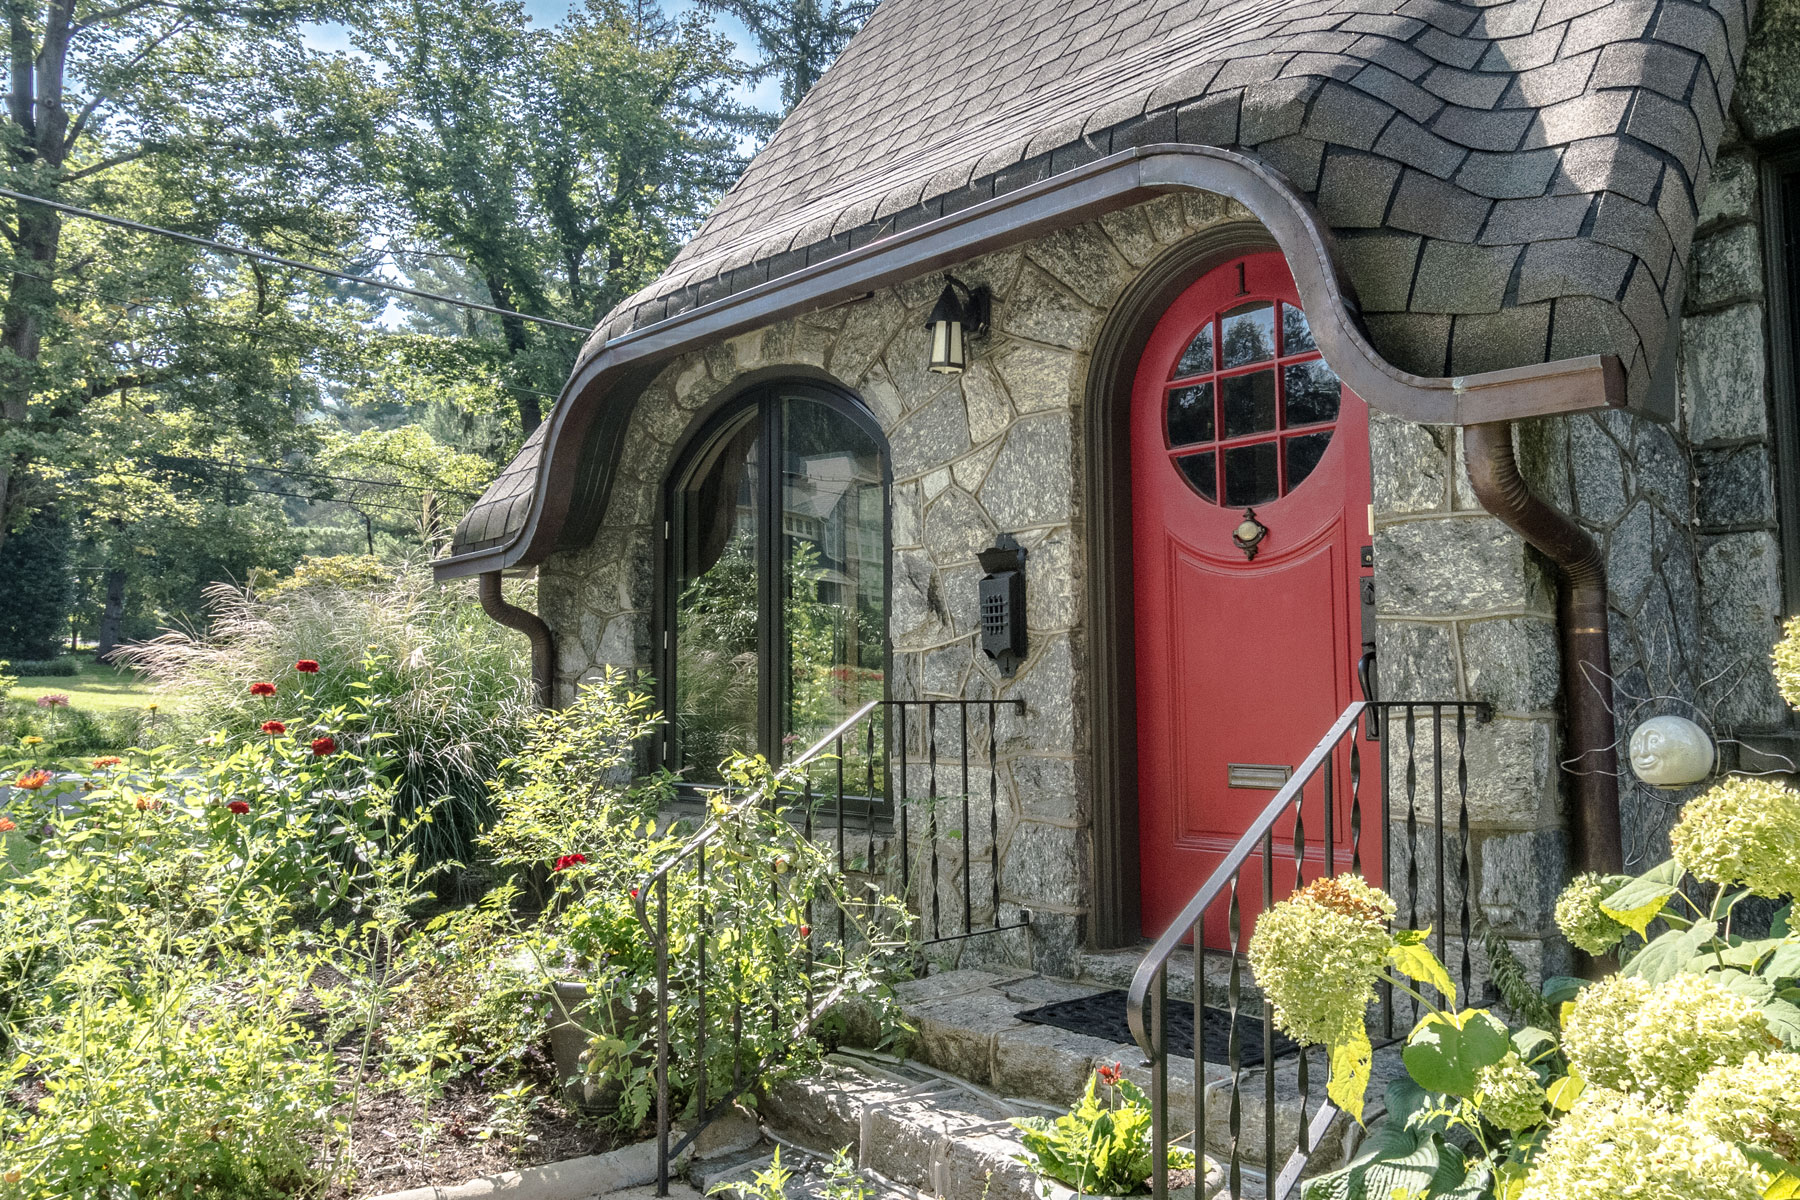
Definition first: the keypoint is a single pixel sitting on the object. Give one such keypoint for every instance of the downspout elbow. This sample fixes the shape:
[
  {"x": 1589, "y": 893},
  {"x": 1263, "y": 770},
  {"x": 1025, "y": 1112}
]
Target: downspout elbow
[
  {"x": 543, "y": 657},
  {"x": 1590, "y": 739}
]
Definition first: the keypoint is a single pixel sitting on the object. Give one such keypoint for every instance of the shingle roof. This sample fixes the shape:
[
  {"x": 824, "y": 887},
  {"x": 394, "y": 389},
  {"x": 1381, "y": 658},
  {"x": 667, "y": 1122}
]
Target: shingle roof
[{"x": 1542, "y": 157}]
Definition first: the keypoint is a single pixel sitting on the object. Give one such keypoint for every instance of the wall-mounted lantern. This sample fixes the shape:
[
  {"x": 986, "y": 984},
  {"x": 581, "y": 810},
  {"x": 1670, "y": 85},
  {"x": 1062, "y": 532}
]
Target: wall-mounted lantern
[
  {"x": 954, "y": 320},
  {"x": 1671, "y": 752},
  {"x": 1002, "y": 597}
]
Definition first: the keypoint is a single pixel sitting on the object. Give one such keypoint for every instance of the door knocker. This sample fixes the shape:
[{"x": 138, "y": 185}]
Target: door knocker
[{"x": 1249, "y": 534}]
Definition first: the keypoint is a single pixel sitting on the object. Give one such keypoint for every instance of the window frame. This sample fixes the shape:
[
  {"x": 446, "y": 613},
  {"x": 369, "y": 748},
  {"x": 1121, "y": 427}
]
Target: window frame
[
  {"x": 1779, "y": 171},
  {"x": 763, "y": 401}
]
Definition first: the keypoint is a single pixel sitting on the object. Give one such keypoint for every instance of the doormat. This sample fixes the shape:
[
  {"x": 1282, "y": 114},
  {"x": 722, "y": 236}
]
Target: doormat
[{"x": 1102, "y": 1015}]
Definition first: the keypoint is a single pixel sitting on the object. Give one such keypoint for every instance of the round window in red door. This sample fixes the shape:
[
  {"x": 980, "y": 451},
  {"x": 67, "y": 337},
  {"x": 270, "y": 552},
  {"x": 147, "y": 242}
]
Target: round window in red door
[{"x": 1250, "y": 406}]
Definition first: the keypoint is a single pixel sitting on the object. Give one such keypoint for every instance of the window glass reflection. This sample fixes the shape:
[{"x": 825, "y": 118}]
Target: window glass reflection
[
  {"x": 1251, "y": 476},
  {"x": 1249, "y": 403},
  {"x": 716, "y": 607},
  {"x": 1296, "y": 331},
  {"x": 834, "y": 595},
  {"x": 1202, "y": 473},
  {"x": 1191, "y": 414},
  {"x": 1312, "y": 392},
  {"x": 1303, "y": 454},
  {"x": 1197, "y": 359},
  {"x": 1247, "y": 334}
]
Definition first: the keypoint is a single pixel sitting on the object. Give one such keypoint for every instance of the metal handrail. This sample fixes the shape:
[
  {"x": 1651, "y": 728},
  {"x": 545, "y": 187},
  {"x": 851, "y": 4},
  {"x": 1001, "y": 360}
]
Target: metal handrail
[
  {"x": 1157, "y": 957},
  {"x": 705, "y": 833}
]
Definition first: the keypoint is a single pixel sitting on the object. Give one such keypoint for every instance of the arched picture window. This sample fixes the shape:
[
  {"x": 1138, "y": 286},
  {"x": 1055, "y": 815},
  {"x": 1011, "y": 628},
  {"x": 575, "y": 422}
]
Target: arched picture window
[{"x": 777, "y": 617}]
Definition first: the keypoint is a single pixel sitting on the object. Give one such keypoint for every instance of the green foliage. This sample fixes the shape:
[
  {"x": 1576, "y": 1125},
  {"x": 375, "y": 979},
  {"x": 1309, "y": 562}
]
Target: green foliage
[
  {"x": 442, "y": 687},
  {"x": 1102, "y": 1146},
  {"x": 58, "y": 668},
  {"x": 36, "y": 595},
  {"x": 799, "y": 39},
  {"x": 64, "y": 732}
]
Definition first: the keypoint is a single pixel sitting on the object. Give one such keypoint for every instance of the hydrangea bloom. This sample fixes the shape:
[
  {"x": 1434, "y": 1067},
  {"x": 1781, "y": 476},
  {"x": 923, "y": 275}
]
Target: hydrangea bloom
[
  {"x": 1316, "y": 956},
  {"x": 1579, "y": 916},
  {"x": 1509, "y": 1094},
  {"x": 1658, "y": 1040},
  {"x": 1757, "y": 1101},
  {"x": 1742, "y": 831},
  {"x": 1611, "y": 1145}
]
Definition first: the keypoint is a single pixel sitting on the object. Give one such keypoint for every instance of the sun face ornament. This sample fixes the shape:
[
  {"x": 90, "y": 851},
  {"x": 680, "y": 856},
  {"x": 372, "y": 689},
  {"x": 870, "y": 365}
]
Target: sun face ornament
[{"x": 1671, "y": 752}]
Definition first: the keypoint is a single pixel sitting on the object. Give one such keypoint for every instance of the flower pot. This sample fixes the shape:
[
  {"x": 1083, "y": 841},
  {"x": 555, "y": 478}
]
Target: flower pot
[{"x": 571, "y": 1013}]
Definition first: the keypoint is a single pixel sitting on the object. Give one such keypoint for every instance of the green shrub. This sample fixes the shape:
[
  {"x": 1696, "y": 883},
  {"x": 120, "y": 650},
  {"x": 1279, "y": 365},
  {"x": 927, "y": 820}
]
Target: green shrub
[
  {"x": 445, "y": 688},
  {"x": 70, "y": 732},
  {"x": 39, "y": 591},
  {"x": 37, "y": 667}
]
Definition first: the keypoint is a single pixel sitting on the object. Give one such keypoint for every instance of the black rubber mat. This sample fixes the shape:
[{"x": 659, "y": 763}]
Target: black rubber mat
[{"x": 1102, "y": 1015}]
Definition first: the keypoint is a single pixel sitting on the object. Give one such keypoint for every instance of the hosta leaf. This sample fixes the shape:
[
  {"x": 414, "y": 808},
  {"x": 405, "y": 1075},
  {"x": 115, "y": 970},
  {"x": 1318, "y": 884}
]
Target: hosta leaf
[
  {"x": 1444, "y": 1054},
  {"x": 1784, "y": 1021},
  {"x": 1563, "y": 1093}
]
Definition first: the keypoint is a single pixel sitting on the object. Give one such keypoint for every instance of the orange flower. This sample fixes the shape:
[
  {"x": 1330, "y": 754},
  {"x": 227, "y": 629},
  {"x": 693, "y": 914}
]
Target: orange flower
[
  {"x": 105, "y": 761},
  {"x": 6, "y": 825},
  {"x": 262, "y": 688},
  {"x": 31, "y": 781}
]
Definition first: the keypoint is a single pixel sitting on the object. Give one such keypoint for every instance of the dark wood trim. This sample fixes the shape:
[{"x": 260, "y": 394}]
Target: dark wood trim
[
  {"x": 604, "y": 386},
  {"x": 1780, "y": 197},
  {"x": 1112, "y": 685}
]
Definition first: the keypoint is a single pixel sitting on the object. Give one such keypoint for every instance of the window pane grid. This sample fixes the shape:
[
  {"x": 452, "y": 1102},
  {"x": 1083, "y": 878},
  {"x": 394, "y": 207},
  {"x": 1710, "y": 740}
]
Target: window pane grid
[{"x": 1277, "y": 392}]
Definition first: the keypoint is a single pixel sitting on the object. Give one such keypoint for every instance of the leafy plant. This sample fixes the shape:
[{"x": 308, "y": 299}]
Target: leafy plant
[
  {"x": 444, "y": 689},
  {"x": 1102, "y": 1146}
]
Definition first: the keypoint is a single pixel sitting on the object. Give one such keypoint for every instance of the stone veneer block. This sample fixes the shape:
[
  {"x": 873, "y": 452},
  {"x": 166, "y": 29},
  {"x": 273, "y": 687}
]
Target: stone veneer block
[
  {"x": 1722, "y": 374},
  {"x": 1455, "y": 566},
  {"x": 1513, "y": 663}
]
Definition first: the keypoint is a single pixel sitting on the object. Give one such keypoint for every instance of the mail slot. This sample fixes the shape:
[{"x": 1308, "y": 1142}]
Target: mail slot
[{"x": 1257, "y": 775}]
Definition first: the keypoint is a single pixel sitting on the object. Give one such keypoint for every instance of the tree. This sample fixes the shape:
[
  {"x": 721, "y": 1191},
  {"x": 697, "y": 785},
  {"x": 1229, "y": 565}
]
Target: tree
[
  {"x": 35, "y": 597},
  {"x": 556, "y": 169},
  {"x": 799, "y": 39},
  {"x": 402, "y": 481},
  {"x": 204, "y": 114}
]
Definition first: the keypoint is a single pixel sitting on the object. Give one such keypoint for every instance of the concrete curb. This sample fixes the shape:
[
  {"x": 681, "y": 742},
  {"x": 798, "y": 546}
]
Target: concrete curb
[{"x": 575, "y": 1179}]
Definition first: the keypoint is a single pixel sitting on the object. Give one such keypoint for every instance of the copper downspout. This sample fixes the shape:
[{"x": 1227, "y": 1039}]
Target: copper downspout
[
  {"x": 1590, "y": 749},
  {"x": 543, "y": 657}
]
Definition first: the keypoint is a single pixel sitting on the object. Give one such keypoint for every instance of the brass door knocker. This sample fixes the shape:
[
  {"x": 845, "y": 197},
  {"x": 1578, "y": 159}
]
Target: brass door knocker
[{"x": 1249, "y": 534}]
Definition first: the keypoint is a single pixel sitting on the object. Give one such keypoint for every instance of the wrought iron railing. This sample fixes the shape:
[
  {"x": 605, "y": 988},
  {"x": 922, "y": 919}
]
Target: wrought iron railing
[
  {"x": 915, "y": 831},
  {"x": 1421, "y": 856}
]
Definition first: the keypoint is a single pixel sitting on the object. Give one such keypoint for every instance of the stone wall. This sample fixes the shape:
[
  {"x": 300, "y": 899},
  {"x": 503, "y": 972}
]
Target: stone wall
[{"x": 1465, "y": 609}]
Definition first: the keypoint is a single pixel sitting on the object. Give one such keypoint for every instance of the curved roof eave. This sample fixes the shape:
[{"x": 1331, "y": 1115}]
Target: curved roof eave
[{"x": 517, "y": 522}]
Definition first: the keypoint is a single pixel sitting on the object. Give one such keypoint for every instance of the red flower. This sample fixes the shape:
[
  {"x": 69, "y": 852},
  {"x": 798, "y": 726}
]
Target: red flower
[
  {"x": 31, "y": 781},
  {"x": 239, "y": 807},
  {"x": 1110, "y": 1076},
  {"x": 262, "y": 689},
  {"x": 274, "y": 727},
  {"x": 806, "y": 931},
  {"x": 307, "y": 666},
  {"x": 6, "y": 825},
  {"x": 324, "y": 746},
  {"x": 570, "y": 860},
  {"x": 634, "y": 893},
  {"x": 53, "y": 700}
]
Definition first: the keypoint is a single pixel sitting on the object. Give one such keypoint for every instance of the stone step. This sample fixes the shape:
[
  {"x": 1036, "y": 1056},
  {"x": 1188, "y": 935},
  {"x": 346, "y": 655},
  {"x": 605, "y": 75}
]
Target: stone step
[
  {"x": 936, "y": 1136},
  {"x": 811, "y": 1177},
  {"x": 967, "y": 1027}
]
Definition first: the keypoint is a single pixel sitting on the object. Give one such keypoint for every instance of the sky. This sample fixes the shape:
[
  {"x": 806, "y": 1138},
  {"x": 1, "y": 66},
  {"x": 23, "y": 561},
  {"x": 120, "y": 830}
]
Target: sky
[{"x": 765, "y": 95}]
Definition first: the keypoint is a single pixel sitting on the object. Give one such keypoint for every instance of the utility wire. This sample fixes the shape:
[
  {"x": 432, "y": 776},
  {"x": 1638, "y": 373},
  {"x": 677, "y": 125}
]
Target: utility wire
[
  {"x": 292, "y": 264},
  {"x": 167, "y": 460}
]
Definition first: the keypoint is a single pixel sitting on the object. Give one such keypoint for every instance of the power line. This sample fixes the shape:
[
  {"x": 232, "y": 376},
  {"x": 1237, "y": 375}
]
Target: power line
[
  {"x": 199, "y": 460},
  {"x": 162, "y": 306},
  {"x": 291, "y": 264}
]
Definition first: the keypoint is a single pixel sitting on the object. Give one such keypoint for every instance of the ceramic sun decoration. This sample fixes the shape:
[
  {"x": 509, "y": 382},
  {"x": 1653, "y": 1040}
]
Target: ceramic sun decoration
[{"x": 1671, "y": 752}]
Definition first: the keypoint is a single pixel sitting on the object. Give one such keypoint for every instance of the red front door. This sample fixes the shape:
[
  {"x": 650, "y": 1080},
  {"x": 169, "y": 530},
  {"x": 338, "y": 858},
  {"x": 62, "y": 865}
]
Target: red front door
[{"x": 1246, "y": 653}]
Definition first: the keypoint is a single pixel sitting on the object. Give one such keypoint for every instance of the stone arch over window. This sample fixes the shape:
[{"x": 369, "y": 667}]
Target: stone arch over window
[{"x": 774, "y": 575}]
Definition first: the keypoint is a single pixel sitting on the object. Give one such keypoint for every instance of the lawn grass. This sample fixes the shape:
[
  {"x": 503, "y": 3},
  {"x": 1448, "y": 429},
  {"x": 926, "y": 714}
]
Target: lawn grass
[{"x": 98, "y": 687}]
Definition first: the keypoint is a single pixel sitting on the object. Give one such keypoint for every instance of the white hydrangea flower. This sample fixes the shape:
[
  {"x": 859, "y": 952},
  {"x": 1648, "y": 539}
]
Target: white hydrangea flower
[
  {"x": 1581, "y": 919},
  {"x": 1316, "y": 956},
  {"x": 1742, "y": 831},
  {"x": 1509, "y": 1094},
  {"x": 1658, "y": 1040},
  {"x": 1611, "y": 1146},
  {"x": 1756, "y": 1101}
]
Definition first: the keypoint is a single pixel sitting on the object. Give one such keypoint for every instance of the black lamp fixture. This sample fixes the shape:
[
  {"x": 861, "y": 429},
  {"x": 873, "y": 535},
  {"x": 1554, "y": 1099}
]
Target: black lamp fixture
[{"x": 954, "y": 320}]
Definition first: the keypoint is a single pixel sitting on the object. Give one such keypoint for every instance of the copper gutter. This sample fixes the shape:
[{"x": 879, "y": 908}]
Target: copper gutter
[
  {"x": 1590, "y": 739},
  {"x": 543, "y": 655}
]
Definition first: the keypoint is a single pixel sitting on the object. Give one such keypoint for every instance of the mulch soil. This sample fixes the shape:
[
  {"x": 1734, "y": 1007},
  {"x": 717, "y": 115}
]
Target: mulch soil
[{"x": 405, "y": 1141}]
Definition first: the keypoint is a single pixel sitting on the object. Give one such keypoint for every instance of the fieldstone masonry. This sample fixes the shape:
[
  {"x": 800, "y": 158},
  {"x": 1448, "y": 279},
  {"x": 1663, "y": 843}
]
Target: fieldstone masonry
[{"x": 1684, "y": 511}]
